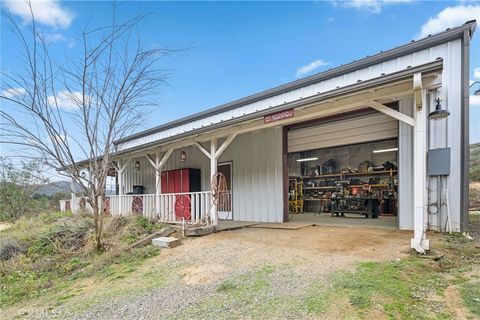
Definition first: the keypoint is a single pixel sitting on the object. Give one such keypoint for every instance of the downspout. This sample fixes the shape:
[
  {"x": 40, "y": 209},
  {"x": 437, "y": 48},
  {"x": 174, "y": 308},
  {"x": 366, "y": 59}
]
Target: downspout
[{"x": 419, "y": 242}]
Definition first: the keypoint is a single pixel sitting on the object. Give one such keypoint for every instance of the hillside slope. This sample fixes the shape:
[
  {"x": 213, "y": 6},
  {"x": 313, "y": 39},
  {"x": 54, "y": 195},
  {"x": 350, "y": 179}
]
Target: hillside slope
[{"x": 475, "y": 162}]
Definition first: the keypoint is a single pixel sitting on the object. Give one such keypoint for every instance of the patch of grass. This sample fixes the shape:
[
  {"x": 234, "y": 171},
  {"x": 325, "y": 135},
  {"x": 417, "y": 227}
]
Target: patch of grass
[
  {"x": 129, "y": 239},
  {"x": 245, "y": 293},
  {"x": 471, "y": 296},
  {"x": 403, "y": 289},
  {"x": 122, "y": 278},
  {"x": 316, "y": 300},
  {"x": 226, "y": 286},
  {"x": 147, "y": 225},
  {"x": 247, "y": 284}
]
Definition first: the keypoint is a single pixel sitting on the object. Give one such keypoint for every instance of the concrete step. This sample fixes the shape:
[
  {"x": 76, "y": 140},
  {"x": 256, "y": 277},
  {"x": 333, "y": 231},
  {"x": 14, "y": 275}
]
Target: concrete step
[{"x": 166, "y": 242}]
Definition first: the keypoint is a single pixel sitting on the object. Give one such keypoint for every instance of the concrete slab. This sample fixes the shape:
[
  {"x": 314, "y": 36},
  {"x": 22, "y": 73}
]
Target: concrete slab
[
  {"x": 166, "y": 242},
  {"x": 284, "y": 226},
  {"x": 224, "y": 225},
  {"x": 350, "y": 220}
]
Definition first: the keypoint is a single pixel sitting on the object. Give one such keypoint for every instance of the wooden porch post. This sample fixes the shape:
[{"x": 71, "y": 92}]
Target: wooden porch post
[
  {"x": 213, "y": 155},
  {"x": 213, "y": 171},
  {"x": 158, "y": 183},
  {"x": 120, "y": 186},
  {"x": 72, "y": 196},
  {"x": 158, "y": 164},
  {"x": 120, "y": 169}
]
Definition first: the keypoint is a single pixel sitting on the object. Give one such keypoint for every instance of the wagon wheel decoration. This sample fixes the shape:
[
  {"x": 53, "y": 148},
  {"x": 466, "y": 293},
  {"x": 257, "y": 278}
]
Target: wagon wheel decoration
[
  {"x": 106, "y": 205},
  {"x": 182, "y": 207},
  {"x": 137, "y": 204}
]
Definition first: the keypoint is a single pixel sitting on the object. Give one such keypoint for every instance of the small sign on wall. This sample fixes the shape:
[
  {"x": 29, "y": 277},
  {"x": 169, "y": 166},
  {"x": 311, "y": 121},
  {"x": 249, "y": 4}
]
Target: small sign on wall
[{"x": 278, "y": 116}]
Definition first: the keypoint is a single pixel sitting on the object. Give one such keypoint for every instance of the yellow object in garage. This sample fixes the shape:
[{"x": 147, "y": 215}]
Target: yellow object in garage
[{"x": 295, "y": 195}]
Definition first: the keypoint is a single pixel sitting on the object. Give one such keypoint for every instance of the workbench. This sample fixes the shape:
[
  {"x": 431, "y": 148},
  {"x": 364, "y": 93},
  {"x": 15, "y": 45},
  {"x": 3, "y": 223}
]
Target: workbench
[{"x": 367, "y": 206}]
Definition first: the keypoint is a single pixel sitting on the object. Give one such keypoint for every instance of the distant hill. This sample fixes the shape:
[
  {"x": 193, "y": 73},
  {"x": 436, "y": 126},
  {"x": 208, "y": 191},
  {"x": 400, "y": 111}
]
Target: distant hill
[
  {"x": 475, "y": 162},
  {"x": 51, "y": 188}
]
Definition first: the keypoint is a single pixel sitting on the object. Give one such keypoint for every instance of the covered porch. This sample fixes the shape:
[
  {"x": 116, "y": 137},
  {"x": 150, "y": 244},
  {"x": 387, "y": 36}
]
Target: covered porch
[{"x": 255, "y": 150}]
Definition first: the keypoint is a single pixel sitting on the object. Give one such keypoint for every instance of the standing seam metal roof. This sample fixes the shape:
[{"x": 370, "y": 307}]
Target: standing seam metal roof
[{"x": 413, "y": 46}]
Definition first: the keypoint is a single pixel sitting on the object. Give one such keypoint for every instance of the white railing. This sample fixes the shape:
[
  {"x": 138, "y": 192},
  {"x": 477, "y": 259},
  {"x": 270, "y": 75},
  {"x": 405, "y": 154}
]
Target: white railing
[
  {"x": 191, "y": 207},
  {"x": 77, "y": 205}
]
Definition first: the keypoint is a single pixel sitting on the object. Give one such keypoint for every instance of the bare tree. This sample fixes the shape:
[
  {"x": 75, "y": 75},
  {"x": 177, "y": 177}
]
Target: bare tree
[
  {"x": 17, "y": 186},
  {"x": 77, "y": 109}
]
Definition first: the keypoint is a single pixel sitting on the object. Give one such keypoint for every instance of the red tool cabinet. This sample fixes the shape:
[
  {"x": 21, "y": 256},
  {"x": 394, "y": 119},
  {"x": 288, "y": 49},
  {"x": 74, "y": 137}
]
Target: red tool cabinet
[{"x": 181, "y": 181}]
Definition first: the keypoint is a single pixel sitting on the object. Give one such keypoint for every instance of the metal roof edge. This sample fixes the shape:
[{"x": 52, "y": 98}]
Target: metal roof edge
[
  {"x": 405, "y": 49},
  {"x": 430, "y": 67}
]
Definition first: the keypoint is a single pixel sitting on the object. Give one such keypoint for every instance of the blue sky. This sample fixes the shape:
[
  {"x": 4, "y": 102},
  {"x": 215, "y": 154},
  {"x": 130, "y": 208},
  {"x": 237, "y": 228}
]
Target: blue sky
[{"x": 233, "y": 49}]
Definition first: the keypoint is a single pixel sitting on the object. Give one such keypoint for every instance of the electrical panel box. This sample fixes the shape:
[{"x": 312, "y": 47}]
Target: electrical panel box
[{"x": 438, "y": 162}]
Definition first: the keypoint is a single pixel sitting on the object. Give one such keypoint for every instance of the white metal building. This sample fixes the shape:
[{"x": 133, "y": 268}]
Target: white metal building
[{"x": 383, "y": 98}]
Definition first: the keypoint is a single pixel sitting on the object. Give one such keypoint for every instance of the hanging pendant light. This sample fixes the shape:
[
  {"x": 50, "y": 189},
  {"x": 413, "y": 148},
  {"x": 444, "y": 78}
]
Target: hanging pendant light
[
  {"x": 183, "y": 156},
  {"x": 438, "y": 113},
  {"x": 137, "y": 165}
]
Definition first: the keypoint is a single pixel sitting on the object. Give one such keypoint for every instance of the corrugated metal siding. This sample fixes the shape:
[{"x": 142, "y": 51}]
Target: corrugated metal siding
[
  {"x": 257, "y": 175},
  {"x": 441, "y": 134},
  {"x": 344, "y": 132},
  {"x": 451, "y": 83},
  {"x": 388, "y": 67},
  {"x": 143, "y": 177},
  {"x": 256, "y": 180}
]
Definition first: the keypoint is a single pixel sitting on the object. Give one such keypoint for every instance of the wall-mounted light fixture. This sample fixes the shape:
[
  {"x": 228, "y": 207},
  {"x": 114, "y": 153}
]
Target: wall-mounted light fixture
[
  {"x": 183, "y": 156},
  {"x": 477, "y": 92},
  {"x": 385, "y": 150},
  {"x": 438, "y": 113},
  {"x": 307, "y": 159},
  {"x": 137, "y": 165}
]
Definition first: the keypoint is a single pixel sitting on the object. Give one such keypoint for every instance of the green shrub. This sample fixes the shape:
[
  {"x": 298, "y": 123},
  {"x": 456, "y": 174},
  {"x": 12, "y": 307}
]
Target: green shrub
[
  {"x": 147, "y": 225},
  {"x": 42, "y": 246},
  {"x": 59, "y": 247},
  {"x": 129, "y": 239}
]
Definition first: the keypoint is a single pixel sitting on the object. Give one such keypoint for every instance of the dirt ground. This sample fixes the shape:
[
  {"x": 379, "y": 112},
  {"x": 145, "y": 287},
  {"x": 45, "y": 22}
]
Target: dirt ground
[
  {"x": 309, "y": 247},
  {"x": 192, "y": 273}
]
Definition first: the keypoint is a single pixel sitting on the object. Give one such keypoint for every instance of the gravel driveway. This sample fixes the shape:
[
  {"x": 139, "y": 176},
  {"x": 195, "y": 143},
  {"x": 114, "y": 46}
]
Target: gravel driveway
[{"x": 246, "y": 273}]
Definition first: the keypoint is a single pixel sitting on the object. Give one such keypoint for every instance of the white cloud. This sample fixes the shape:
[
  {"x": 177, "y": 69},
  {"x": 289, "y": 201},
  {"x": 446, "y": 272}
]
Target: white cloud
[
  {"x": 47, "y": 12},
  {"x": 66, "y": 100},
  {"x": 475, "y": 101},
  {"x": 12, "y": 92},
  {"x": 371, "y": 6},
  {"x": 58, "y": 37},
  {"x": 476, "y": 73},
  {"x": 310, "y": 67},
  {"x": 54, "y": 37},
  {"x": 448, "y": 18}
]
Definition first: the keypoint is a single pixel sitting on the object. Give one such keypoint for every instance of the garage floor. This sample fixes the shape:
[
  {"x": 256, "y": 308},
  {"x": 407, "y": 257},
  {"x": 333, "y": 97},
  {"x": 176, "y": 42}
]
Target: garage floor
[
  {"x": 308, "y": 219},
  {"x": 353, "y": 220}
]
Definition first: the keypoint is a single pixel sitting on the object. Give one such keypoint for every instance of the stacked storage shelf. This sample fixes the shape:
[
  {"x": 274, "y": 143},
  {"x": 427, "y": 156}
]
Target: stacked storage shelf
[{"x": 320, "y": 188}]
